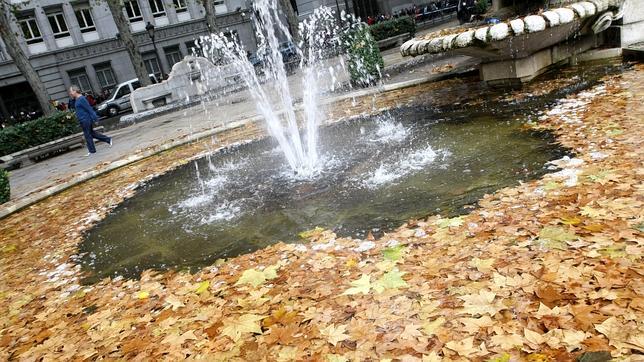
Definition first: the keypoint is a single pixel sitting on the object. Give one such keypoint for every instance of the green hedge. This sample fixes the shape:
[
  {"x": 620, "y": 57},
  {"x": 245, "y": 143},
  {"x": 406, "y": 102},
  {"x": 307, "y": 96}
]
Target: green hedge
[
  {"x": 393, "y": 27},
  {"x": 4, "y": 186},
  {"x": 33, "y": 133},
  {"x": 364, "y": 58}
]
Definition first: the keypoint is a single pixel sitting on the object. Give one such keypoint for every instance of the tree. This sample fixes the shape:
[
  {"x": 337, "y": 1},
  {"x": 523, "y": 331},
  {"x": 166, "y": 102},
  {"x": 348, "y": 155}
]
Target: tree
[
  {"x": 211, "y": 15},
  {"x": 20, "y": 59},
  {"x": 291, "y": 19},
  {"x": 123, "y": 26}
]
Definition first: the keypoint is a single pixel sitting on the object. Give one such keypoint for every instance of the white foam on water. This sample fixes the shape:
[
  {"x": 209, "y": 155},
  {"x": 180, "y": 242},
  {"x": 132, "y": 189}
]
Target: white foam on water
[
  {"x": 195, "y": 201},
  {"x": 225, "y": 211},
  {"x": 389, "y": 173},
  {"x": 389, "y": 131}
]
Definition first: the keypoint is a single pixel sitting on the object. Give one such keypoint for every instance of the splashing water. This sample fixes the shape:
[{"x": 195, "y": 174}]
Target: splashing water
[{"x": 321, "y": 37}]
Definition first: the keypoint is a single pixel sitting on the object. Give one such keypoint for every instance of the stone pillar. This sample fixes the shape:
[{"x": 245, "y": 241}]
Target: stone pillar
[
  {"x": 632, "y": 25},
  {"x": 72, "y": 23}
]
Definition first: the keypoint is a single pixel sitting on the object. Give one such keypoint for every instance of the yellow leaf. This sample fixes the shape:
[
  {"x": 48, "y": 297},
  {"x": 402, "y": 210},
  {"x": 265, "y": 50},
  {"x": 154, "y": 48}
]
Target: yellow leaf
[
  {"x": 481, "y": 303},
  {"x": 335, "y": 358},
  {"x": 571, "y": 220},
  {"x": 430, "y": 328},
  {"x": 362, "y": 285},
  {"x": 255, "y": 277},
  {"x": 142, "y": 295},
  {"x": 482, "y": 265},
  {"x": 247, "y": 323},
  {"x": 310, "y": 233},
  {"x": 507, "y": 341},
  {"x": 464, "y": 347},
  {"x": 202, "y": 287}
]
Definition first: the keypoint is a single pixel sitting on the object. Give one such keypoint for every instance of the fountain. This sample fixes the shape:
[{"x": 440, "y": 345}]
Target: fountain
[{"x": 358, "y": 177}]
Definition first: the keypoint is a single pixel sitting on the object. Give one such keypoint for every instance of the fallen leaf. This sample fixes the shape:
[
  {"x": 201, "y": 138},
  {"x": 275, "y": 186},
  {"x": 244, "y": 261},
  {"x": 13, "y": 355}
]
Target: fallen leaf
[
  {"x": 334, "y": 334},
  {"x": 247, "y": 323}
]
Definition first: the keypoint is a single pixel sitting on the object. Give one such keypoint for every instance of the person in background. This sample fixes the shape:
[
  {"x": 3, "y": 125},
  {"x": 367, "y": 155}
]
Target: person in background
[{"x": 86, "y": 117}]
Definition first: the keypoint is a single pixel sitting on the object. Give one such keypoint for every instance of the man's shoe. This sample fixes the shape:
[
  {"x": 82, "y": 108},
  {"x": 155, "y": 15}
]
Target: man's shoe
[
  {"x": 88, "y": 154},
  {"x": 111, "y": 142}
]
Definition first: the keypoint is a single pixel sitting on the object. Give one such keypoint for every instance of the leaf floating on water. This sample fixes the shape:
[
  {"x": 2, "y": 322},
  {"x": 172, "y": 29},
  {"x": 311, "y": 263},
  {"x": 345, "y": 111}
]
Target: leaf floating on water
[{"x": 311, "y": 233}]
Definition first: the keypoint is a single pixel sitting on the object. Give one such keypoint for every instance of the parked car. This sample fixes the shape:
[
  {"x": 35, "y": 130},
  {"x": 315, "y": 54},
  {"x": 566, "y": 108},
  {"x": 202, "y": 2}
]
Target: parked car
[
  {"x": 119, "y": 100},
  {"x": 289, "y": 56}
]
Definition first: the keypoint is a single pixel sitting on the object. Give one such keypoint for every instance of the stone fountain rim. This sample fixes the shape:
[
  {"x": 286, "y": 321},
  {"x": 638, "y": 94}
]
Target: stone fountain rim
[{"x": 498, "y": 32}]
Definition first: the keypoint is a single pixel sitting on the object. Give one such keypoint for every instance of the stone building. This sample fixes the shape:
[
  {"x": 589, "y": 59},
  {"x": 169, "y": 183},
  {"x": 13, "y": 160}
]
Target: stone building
[{"x": 77, "y": 42}]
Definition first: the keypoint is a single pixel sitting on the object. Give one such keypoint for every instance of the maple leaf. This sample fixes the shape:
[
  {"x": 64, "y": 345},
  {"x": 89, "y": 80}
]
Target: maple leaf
[
  {"x": 247, "y": 323},
  {"x": 177, "y": 340},
  {"x": 362, "y": 285},
  {"x": 447, "y": 223},
  {"x": 464, "y": 347},
  {"x": 142, "y": 295},
  {"x": 335, "y": 358},
  {"x": 621, "y": 335},
  {"x": 482, "y": 265},
  {"x": 555, "y": 237},
  {"x": 393, "y": 253},
  {"x": 430, "y": 328},
  {"x": 431, "y": 357},
  {"x": 507, "y": 341},
  {"x": 256, "y": 278},
  {"x": 570, "y": 220},
  {"x": 592, "y": 212},
  {"x": 289, "y": 353},
  {"x": 390, "y": 280},
  {"x": 174, "y": 302},
  {"x": 533, "y": 337},
  {"x": 410, "y": 332},
  {"x": 334, "y": 334},
  {"x": 481, "y": 303}
]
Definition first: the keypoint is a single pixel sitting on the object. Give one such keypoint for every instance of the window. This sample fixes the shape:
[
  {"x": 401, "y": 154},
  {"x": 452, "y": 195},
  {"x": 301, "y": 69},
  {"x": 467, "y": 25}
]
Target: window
[
  {"x": 172, "y": 55},
  {"x": 194, "y": 49},
  {"x": 151, "y": 63},
  {"x": 157, "y": 8},
  {"x": 85, "y": 21},
  {"x": 123, "y": 91},
  {"x": 133, "y": 11},
  {"x": 105, "y": 75},
  {"x": 180, "y": 6},
  {"x": 79, "y": 77},
  {"x": 219, "y": 2},
  {"x": 30, "y": 30},
  {"x": 58, "y": 25}
]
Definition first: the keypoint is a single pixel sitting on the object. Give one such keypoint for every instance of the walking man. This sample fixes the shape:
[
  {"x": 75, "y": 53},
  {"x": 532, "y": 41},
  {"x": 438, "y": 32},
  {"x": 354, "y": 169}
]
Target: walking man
[{"x": 86, "y": 117}]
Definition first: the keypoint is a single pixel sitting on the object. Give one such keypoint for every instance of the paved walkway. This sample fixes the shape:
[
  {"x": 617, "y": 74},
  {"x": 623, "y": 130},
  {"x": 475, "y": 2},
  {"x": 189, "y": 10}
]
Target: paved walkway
[{"x": 181, "y": 124}]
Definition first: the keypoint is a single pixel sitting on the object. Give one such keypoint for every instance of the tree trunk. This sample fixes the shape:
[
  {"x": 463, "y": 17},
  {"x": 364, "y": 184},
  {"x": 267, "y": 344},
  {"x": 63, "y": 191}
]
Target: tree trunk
[
  {"x": 291, "y": 19},
  {"x": 123, "y": 26},
  {"x": 22, "y": 62},
  {"x": 211, "y": 15}
]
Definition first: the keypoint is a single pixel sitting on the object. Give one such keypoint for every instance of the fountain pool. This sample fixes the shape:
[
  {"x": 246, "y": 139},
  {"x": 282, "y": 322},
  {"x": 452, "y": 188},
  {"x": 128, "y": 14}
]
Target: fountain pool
[{"x": 376, "y": 173}]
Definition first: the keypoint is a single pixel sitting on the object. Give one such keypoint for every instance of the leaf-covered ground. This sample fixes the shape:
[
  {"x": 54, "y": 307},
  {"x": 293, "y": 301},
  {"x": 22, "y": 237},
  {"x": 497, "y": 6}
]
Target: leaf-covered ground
[{"x": 542, "y": 271}]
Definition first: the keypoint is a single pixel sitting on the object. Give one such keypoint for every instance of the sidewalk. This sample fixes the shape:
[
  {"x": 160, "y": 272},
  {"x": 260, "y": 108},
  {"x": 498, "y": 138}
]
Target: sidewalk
[{"x": 183, "y": 124}]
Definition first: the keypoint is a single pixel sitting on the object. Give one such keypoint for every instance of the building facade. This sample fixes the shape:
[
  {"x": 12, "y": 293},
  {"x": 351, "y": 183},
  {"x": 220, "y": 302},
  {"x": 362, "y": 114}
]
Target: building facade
[{"x": 77, "y": 42}]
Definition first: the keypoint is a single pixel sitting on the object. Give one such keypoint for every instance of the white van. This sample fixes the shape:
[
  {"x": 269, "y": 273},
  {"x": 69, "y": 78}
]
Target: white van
[{"x": 119, "y": 101}]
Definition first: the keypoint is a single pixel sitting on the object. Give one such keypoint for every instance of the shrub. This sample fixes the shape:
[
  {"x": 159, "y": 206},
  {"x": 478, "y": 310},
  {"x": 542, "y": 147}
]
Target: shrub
[
  {"x": 38, "y": 131},
  {"x": 393, "y": 27},
  {"x": 364, "y": 58},
  {"x": 4, "y": 186}
]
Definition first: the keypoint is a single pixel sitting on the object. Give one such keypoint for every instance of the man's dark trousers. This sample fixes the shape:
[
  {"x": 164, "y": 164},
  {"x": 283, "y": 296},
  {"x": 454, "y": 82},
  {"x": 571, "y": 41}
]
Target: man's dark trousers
[{"x": 90, "y": 134}]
